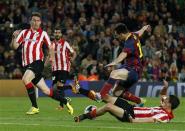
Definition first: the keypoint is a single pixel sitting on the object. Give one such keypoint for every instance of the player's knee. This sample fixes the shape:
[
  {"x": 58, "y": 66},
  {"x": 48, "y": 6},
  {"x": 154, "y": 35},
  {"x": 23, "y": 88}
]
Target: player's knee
[
  {"x": 26, "y": 80},
  {"x": 60, "y": 84},
  {"x": 108, "y": 106},
  {"x": 117, "y": 93},
  {"x": 113, "y": 74},
  {"x": 46, "y": 91}
]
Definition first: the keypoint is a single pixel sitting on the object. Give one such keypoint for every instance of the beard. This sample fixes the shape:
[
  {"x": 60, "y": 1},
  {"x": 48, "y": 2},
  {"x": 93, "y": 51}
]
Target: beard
[{"x": 57, "y": 37}]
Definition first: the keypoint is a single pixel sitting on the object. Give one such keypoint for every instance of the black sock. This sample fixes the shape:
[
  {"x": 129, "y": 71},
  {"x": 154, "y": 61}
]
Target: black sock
[
  {"x": 85, "y": 116},
  {"x": 32, "y": 96},
  {"x": 56, "y": 95},
  {"x": 61, "y": 93},
  {"x": 84, "y": 91}
]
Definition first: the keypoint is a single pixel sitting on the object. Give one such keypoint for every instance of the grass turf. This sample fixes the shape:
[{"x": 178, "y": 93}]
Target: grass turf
[{"x": 13, "y": 118}]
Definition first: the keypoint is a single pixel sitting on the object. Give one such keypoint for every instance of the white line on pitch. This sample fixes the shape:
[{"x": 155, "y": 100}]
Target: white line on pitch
[
  {"x": 78, "y": 126},
  {"x": 51, "y": 118}
]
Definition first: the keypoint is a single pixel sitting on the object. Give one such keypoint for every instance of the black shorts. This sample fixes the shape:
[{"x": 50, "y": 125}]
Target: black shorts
[
  {"x": 37, "y": 68},
  {"x": 128, "y": 109},
  {"x": 60, "y": 75},
  {"x": 131, "y": 80}
]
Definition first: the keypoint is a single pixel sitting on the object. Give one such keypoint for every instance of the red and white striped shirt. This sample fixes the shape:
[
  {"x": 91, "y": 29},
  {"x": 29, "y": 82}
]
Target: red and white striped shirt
[
  {"x": 32, "y": 42},
  {"x": 152, "y": 112},
  {"x": 62, "y": 55}
]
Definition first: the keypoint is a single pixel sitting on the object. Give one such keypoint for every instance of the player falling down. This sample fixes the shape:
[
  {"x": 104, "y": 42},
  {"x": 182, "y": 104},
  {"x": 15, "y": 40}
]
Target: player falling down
[
  {"x": 126, "y": 112},
  {"x": 64, "y": 54},
  {"x": 32, "y": 41},
  {"x": 128, "y": 73}
]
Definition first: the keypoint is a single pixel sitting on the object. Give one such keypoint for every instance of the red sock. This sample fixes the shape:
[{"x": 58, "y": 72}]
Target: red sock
[
  {"x": 31, "y": 93},
  {"x": 29, "y": 85},
  {"x": 129, "y": 96},
  {"x": 51, "y": 92},
  {"x": 105, "y": 90},
  {"x": 93, "y": 113}
]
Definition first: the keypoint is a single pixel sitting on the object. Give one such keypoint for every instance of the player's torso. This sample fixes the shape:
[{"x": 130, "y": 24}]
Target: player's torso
[
  {"x": 133, "y": 61},
  {"x": 62, "y": 56},
  {"x": 150, "y": 112},
  {"x": 32, "y": 46}
]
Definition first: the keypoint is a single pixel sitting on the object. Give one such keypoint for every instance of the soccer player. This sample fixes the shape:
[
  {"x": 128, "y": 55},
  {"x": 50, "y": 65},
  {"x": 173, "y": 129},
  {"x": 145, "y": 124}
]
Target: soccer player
[
  {"x": 63, "y": 55},
  {"x": 131, "y": 70},
  {"x": 32, "y": 41},
  {"x": 126, "y": 112}
]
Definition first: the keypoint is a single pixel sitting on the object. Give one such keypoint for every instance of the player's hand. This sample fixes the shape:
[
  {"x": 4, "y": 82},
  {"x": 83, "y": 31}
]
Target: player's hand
[
  {"x": 147, "y": 28},
  {"x": 16, "y": 33},
  {"x": 52, "y": 52},
  {"x": 158, "y": 120},
  {"x": 110, "y": 64}
]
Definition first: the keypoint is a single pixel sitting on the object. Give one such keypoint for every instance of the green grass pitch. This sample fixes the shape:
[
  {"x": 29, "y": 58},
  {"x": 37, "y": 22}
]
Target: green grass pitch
[{"x": 13, "y": 118}]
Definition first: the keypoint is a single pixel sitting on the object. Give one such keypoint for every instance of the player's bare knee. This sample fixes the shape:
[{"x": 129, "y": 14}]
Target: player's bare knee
[
  {"x": 26, "y": 80},
  {"x": 113, "y": 74},
  {"x": 115, "y": 93},
  {"x": 108, "y": 106},
  {"x": 60, "y": 84},
  {"x": 46, "y": 91}
]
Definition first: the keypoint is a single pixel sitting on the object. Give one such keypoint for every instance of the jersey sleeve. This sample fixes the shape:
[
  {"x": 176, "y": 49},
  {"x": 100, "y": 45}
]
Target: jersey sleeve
[
  {"x": 20, "y": 37},
  {"x": 47, "y": 39},
  {"x": 129, "y": 46},
  {"x": 69, "y": 47}
]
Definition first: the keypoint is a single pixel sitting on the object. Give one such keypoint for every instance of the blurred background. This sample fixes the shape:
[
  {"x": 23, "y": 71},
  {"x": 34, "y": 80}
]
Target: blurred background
[{"x": 88, "y": 26}]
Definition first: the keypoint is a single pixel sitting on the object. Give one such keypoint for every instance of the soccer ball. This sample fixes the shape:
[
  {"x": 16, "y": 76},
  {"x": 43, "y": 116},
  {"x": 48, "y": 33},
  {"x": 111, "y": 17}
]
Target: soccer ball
[{"x": 90, "y": 108}]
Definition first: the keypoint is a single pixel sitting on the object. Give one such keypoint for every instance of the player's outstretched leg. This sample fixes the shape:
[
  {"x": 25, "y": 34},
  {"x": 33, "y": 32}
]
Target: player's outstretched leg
[
  {"x": 131, "y": 97},
  {"x": 77, "y": 89},
  {"x": 54, "y": 94}
]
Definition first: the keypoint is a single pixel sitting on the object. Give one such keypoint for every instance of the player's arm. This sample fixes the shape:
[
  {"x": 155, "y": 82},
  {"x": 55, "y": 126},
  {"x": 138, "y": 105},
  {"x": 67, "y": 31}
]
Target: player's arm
[
  {"x": 164, "y": 89},
  {"x": 163, "y": 93},
  {"x": 73, "y": 56},
  {"x": 120, "y": 58},
  {"x": 17, "y": 36},
  {"x": 142, "y": 30},
  {"x": 50, "y": 46},
  {"x": 72, "y": 52},
  {"x": 47, "y": 60}
]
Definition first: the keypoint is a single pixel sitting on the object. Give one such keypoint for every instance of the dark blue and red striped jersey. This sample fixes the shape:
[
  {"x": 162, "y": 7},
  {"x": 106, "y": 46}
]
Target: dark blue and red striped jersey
[{"x": 133, "y": 49}]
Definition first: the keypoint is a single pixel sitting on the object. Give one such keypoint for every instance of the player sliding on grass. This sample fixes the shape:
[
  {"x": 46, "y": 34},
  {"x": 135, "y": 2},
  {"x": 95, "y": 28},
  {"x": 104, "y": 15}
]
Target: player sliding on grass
[
  {"x": 32, "y": 41},
  {"x": 126, "y": 112},
  {"x": 129, "y": 72}
]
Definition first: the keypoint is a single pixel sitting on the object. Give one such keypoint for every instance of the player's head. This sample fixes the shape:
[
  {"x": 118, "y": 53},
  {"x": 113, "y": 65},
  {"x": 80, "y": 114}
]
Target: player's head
[
  {"x": 121, "y": 31},
  {"x": 170, "y": 102},
  {"x": 174, "y": 101},
  {"x": 35, "y": 21},
  {"x": 57, "y": 33}
]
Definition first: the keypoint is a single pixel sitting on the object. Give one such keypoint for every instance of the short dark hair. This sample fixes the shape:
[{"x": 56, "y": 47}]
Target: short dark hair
[
  {"x": 36, "y": 14},
  {"x": 58, "y": 28},
  {"x": 174, "y": 100},
  {"x": 121, "y": 28}
]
